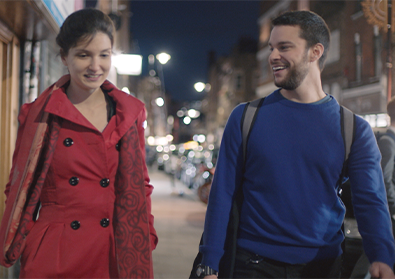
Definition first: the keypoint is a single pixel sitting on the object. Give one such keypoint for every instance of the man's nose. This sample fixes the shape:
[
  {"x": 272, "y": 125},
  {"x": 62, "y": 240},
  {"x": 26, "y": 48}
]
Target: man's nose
[{"x": 274, "y": 55}]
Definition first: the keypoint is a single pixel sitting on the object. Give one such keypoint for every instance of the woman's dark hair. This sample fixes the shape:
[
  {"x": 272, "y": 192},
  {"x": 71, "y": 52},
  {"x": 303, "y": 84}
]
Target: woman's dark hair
[
  {"x": 313, "y": 29},
  {"x": 82, "y": 25}
]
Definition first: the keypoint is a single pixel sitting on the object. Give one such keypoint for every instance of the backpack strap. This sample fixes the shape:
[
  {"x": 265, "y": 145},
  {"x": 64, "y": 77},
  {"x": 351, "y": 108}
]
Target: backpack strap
[
  {"x": 248, "y": 119},
  {"x": 347, "y": 123},
  {"x": 347, "y": 119}
]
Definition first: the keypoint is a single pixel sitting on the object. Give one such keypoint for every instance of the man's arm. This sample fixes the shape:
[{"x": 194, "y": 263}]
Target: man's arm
[
  {"x": 227, "y": 177},
  {"x": 369, "y": 196}
]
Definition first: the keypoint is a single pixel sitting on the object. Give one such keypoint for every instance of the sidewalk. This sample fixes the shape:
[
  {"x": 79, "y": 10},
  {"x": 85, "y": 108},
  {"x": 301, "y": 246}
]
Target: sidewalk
[{"x": 179, "y": 221}]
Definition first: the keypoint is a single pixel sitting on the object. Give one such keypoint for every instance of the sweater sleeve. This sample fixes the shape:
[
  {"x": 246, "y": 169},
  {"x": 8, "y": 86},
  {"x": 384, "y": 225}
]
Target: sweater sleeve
[
  {"x": 227, "y": 177},
  {"x": 369, "y": 196}
]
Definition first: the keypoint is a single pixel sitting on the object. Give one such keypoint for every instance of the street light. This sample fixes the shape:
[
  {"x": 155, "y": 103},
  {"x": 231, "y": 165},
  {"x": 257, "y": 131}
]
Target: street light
[
  {"x": 199, "y": 86},
  {"x": 162, "y": 58}
]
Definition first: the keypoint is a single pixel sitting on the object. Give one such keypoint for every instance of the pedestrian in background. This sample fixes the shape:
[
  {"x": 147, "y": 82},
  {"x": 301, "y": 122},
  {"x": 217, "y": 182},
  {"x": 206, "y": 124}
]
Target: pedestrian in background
[
  {"x": 78, "y": 201},
  {"x": 387, "y": 148},
  {"x": 386, "y": 143},
  {"x": 291, "y": 216}
]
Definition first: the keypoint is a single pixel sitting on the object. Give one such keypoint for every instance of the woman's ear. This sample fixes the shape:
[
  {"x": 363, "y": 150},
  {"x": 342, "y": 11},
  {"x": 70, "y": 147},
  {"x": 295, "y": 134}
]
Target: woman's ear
[{"x": 63, "y": 57}]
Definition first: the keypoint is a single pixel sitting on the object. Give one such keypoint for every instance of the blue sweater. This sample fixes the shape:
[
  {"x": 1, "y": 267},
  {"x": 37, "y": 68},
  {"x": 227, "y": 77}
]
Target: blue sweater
[{"x": 291, "y": 211}]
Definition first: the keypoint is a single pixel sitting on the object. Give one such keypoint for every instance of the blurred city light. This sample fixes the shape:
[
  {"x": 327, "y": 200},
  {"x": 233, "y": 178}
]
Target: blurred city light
[
  {"x": 180, "y": 113},
  {"x": 187, "y": 120},
  {"x": 160, "y": 102},
  {"x": 151, "y": 59},
  {"x": 163, "y": 58},
  {"x": 199, "y": 86},
  {"x": 169, "y": 138},
  {"x": 170, "y": 120},
  {"x": 193, "y": 113},
  {"x": 159, "y": 148},
  {"x": 127, "y": 64}
]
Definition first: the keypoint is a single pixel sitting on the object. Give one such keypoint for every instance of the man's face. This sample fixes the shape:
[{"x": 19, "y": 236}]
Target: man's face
[{"x": 289, "y": 57}]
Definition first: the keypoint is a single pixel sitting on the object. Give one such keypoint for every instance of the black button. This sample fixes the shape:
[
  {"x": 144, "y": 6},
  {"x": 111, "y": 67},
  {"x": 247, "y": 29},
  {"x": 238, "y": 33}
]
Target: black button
[
  {"x": 105, "y": 222},
  {"x": 75, "y": 225},
  {"x": 104, "y": 182},
  {"x": 74, "y": 181},
  {"x": 68, "y": 142},
  {"x": 117, "y": 146}
]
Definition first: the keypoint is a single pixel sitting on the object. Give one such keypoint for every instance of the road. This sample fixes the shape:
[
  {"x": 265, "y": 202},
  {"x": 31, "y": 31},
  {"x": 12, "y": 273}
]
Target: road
[{"x": 179, "y": 221}]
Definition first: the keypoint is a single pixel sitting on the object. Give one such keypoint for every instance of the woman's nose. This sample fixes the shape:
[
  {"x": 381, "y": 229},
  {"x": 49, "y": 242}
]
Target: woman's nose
[{"x": 95, "y": 64}]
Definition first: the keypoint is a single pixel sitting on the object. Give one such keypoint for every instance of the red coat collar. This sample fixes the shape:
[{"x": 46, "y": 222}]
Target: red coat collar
[{"x": 128, "y": 108}]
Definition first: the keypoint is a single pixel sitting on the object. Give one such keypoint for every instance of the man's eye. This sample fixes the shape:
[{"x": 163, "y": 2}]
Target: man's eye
[{"x": 82, "y": 55}]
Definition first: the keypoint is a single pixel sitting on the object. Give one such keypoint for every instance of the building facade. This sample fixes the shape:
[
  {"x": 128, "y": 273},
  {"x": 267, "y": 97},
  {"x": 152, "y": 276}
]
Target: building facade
[{"x": 233, "y": 80}]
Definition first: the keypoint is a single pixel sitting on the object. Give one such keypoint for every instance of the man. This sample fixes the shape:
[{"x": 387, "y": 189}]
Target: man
[{"x": 291, "y": 217}]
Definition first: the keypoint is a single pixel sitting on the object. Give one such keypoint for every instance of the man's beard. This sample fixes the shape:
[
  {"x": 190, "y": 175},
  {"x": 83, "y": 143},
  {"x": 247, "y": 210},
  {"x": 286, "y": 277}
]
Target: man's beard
[{"x": 295, "y": 76}]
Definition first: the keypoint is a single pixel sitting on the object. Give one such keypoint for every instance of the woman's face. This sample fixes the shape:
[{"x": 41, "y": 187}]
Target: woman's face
[{"x": 89, "y": 62}]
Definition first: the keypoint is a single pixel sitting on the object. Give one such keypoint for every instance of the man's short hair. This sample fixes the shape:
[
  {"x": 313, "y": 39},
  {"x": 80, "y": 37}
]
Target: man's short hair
[
  {"x": 391, "y": 109},
  {"x": 313, "y": 29}
]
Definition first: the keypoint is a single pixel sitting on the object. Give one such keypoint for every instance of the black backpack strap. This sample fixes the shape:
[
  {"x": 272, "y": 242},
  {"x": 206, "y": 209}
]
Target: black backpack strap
[
  {"x": 348, "y": 129},
  {"x": 347, "y": 122},
  {"x": 248, "y": 119}
]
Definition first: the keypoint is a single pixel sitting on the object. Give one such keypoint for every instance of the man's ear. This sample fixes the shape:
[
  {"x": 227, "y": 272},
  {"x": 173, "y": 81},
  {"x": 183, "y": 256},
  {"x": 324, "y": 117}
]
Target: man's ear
[{"x": 316, "y": 52}]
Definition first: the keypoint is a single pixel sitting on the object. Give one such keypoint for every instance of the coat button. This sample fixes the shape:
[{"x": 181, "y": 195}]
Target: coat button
[
  {"x": 75, "y": 225},
  {"x": 104, "y": 182},
  {"x": 74, "y": 181},
  {"x": 68, "y": 142},
  {"x": 105, "y": 222},
  {"x": 117, "y": 146}
]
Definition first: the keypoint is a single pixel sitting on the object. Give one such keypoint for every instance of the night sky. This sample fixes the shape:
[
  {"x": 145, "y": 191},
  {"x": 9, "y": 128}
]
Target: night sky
[{"x": 188, "y": 30}]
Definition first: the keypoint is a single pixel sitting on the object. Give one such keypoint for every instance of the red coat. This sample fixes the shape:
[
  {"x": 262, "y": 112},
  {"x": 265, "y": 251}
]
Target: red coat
[{"x": 94, "y": 206}]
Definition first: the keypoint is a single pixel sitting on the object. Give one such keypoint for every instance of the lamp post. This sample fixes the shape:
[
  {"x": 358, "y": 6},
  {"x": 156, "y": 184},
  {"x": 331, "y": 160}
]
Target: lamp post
[{"x": 162, "y": 58}]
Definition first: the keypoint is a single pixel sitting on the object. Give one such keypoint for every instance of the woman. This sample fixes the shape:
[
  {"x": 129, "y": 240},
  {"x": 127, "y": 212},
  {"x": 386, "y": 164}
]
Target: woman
[{"x": 78, "y": 201}]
